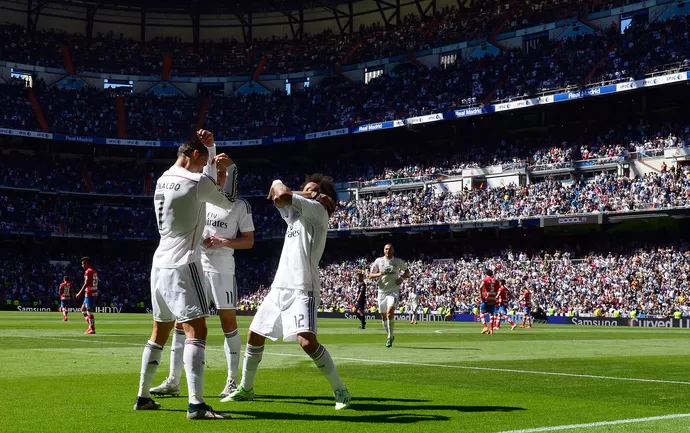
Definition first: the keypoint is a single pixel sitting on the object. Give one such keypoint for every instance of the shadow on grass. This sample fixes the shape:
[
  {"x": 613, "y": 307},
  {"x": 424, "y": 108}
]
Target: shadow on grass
[
  {"x": 407, "y": 418},
  {"x": 310, "y": 398},
  {"x": 437, "y": 348},
  {"x": 372, "y": 404}
]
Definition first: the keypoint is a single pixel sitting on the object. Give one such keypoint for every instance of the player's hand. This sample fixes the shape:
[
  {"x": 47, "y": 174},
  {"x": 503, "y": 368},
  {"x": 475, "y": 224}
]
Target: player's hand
[
  {"x": 223, "y": 160},
  {"x": 326, "y": 202},
  {"x": 206, "y": 137},
  {"x": 213, "y": 242}
]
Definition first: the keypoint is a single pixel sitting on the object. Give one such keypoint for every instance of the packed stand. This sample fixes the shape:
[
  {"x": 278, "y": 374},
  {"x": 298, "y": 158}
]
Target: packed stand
[
  {"x": 606, "y": 193},
  {"x": 47, "y": 173},
  {"x": 650, "y": 280},
  {"x": 408, "y": 92},
  {"x": 34, "y": 282},
  {"x": 127, "y": 176},
  {"x": 16, "y": 111},
  {"x": 86, "y": 111},
  {"x": 112, "y": 53}
]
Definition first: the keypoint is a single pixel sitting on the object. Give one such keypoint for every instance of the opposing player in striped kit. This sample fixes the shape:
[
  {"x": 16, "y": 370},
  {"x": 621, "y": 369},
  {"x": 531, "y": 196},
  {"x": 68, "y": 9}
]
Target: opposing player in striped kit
[
  {"x": 65, "y": 293},
  {"x": 502, "y": 297},
  {"x": 487, "y": 293},
  {"x": 526, "y": 300}
]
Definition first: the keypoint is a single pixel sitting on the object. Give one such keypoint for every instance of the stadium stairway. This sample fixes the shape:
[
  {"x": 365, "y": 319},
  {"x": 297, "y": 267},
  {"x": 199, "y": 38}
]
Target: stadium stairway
[
  {"x": 351, "y": 52},
  {"x": 67, "y": 59},
  {"x": 147, "y": 181},
  {"x": 121, "y": 117},
  {"x": 37, "y": 110},
  {"x": 203, "y": 110},
  {"x": 167, "y": 67},
  {"x": 582, "y": 17},
  {"x": 646, "y": 164},
  {"x": 260, "y": 67},
  {"x": 85, "y": 177},
  {"x": 601, "y": 61}
]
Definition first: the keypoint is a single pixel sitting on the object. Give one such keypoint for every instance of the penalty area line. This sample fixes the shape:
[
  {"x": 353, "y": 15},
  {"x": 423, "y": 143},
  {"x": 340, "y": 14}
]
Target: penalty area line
[
  {"x": 418, "y": 364},
  {"x": 600, "y": 424}
]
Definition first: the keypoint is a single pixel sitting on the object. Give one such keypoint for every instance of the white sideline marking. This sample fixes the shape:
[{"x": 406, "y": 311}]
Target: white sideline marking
[
  {"x": 419, "y": 364},
  {"x": 599, "y": 424}
]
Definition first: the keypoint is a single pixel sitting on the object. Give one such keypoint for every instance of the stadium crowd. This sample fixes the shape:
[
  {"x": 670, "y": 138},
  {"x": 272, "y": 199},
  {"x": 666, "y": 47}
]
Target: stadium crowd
[
  {"x": 127, "y": 176},
  {"x": 113, "y": 53},
  {"x": 648, "y": 279},
  {"x": 409, "y": 91},
  {"x": 606, "y": 193}
]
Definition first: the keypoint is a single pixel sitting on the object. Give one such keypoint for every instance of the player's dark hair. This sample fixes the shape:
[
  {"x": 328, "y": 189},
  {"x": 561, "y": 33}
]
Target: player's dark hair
[
  {"x": 489, "y": 273},
  {"x": 326, "y": 185},
  {"x": 86, "y": 260},
  {"x": 188, "y": 147},
  {"x": 503, "y": 282}
]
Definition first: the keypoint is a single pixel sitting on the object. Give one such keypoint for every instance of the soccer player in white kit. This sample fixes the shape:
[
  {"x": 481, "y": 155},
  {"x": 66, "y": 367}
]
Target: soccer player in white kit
[
  {"x": 289, "y": 309},
  {"x": 390, "y": 272},
  {"x": 413, "y": 303},
  {"x": 179, "y": 291},
  {"x": 217, "y": 258}
]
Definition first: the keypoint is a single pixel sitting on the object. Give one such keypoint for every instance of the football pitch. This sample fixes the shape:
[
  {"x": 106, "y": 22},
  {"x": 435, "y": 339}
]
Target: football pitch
[{"x": 438, "y": 377}]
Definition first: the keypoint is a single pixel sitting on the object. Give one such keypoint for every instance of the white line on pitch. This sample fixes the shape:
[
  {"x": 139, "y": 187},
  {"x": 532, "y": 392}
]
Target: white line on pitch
[
  {"x": 599, "y": 424},
  {"x": 418, "y": 364}
]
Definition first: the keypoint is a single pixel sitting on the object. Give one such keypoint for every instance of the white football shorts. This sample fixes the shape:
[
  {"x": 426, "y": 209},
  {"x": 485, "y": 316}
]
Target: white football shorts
[
  {"x": 223, "y": 290},
  {"x": 179, "y": 294},
  {"x": 286, "y": 313},
  {"x": 388, "y": 300}
]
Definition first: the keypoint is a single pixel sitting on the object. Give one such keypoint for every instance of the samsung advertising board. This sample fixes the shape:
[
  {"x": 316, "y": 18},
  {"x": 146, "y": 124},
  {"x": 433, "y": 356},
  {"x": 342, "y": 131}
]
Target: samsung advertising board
[{"x": 667, "y": 322}]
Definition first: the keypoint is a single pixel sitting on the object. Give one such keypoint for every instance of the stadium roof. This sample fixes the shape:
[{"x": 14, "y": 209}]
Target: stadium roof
[{"x": 207, "y": 6}]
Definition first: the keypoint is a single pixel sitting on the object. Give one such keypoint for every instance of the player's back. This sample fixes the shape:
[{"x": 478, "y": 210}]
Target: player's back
[
  {"x": 180, "y": 217},
  {"x": 65, "y": 290},
  {"x": 490, "y": 289}
]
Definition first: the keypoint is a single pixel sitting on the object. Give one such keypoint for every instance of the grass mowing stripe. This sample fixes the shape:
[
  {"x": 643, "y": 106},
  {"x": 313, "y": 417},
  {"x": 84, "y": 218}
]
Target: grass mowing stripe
[
  {"x": 599, "y": 424},
  {"x": 418, "y": 364}
]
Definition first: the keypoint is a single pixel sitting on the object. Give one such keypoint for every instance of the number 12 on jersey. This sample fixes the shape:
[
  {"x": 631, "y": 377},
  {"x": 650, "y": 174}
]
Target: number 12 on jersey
[{"x": 299, "y": 320}]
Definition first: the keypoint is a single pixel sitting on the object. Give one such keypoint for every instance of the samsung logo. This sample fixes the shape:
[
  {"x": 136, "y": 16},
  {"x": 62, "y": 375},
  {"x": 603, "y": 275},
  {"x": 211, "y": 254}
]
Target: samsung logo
[{"x": 593, "y": 322}]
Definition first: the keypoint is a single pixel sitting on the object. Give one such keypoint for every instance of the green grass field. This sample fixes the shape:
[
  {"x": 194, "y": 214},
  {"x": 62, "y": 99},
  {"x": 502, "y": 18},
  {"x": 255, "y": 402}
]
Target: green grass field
[{"x": 437, "y": 377}]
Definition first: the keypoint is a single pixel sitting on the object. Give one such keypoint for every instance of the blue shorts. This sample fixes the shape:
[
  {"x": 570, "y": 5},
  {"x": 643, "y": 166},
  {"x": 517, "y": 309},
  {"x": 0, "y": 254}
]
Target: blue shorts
[
  {"x": 90, "y": 303},
  {"x": 527, "y": 310},
  {"x": 486, "y": 308},
  {"x": 502, "y": 310},
  {"x": 64, "y": 302}
]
